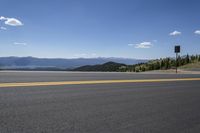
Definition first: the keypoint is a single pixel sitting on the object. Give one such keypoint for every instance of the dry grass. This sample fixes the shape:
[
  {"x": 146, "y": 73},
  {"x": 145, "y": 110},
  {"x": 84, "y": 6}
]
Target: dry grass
[{"x": 191, "y": 66}]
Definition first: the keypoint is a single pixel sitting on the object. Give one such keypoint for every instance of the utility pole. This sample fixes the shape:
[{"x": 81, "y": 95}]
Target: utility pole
[{"x": 177, "y": 50}]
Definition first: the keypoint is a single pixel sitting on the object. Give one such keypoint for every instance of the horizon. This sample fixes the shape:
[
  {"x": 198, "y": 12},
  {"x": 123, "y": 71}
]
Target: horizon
[
  {"x": 73, "y": 58},
  {"x": 132, "y": 29},
  {"x": 96, "y": 57}
]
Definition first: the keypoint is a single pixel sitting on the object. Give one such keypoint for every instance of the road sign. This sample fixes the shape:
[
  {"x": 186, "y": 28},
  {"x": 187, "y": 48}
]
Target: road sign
[{"x": 177, "y": 49}]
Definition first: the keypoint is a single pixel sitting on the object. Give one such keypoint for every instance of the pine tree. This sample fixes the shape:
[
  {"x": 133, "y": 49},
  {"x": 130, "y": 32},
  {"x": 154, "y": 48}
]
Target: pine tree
[{"x": 187, "y": 59}]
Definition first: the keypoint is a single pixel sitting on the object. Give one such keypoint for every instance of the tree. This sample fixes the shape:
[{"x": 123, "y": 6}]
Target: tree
[
  {"x": 187, "y": 59},
  {"x": 167, "y": 63},
  {"x": 199, "y": 58},
  {"x": 162, "y": 64}
]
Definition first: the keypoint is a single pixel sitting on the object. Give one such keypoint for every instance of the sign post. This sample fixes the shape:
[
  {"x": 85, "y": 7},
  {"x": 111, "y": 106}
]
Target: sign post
[{"x": 177, "y": 50}]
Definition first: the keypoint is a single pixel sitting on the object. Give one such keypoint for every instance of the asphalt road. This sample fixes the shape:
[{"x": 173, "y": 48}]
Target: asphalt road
[
  {"x": 17, "y": 76},
  {"x": 160, "y": 107}
]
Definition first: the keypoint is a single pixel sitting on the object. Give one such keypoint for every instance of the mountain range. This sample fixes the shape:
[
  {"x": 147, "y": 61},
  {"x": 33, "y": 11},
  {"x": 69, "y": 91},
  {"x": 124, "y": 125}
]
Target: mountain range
[{"x": 33, "y": 62}]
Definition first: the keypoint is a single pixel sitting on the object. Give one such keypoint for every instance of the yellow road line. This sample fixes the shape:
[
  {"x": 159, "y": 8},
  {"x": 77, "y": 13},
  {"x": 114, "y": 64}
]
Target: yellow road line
[{"x": 93, "y": 82}]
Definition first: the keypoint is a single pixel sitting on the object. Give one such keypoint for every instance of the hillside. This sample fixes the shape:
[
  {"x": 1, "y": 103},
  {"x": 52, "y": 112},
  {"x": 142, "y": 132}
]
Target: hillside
[
  {"x": 106, "y": 67},
  {"x": 187, "y": 61},
  {"x": 192, "y": 66}
]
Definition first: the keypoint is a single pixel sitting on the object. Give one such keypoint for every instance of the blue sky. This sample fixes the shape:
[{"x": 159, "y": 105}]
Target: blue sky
[{"x": 143, "y": 29}]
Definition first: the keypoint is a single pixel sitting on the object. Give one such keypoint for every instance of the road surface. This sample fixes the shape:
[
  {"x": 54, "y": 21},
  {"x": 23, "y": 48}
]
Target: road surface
[{"x": 113, "y": 107}]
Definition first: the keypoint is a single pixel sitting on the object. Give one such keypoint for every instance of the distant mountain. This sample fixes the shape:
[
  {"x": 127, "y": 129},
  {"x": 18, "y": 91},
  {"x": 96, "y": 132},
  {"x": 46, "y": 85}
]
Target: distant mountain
[
  {"x": 32, "y": 62},
  {"x": 106, "y": 67}
]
